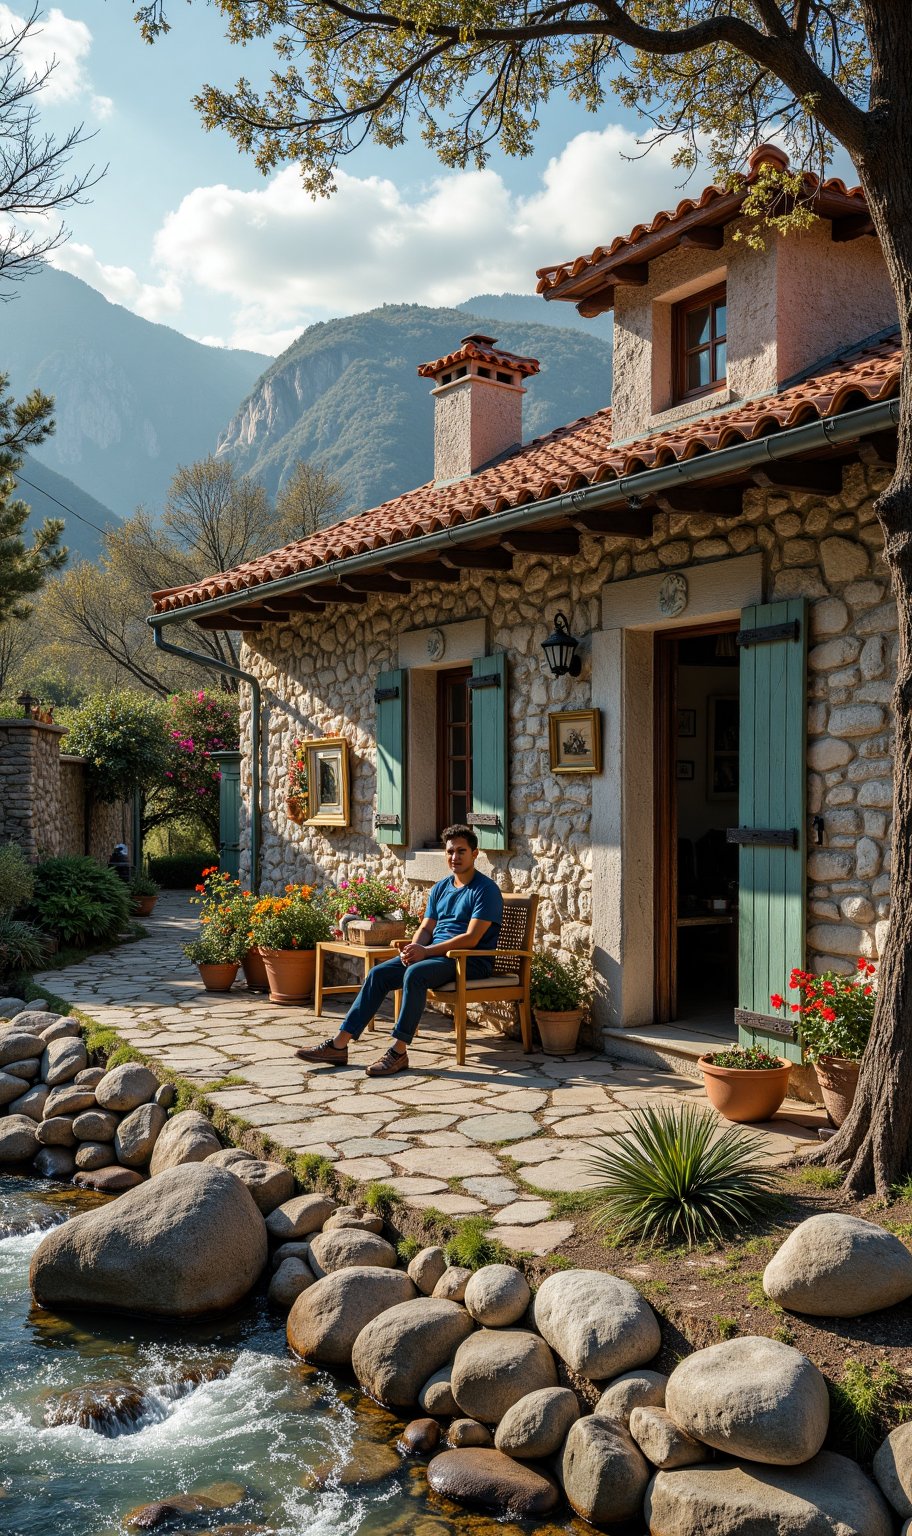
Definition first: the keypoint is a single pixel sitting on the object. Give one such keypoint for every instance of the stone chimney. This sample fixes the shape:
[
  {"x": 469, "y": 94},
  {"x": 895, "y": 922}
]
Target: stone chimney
[{"x": 477, "y": 405}]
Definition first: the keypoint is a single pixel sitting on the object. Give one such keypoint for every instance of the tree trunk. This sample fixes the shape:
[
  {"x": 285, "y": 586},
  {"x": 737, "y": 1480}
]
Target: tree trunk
[{"x": 874, "y": 1145}]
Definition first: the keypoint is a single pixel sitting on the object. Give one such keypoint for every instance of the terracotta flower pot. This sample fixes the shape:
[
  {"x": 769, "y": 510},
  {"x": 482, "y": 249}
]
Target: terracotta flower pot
[
  {"x": 255, "y": 971},
  {"x": 218, "y": 978},
  {"x": 290, "y": 973},
  {"x": 743, "y": 1094},
  {"x": 559, "y": 1031},
  {"x": 142, "y": 905},
  {"x": 838, "y": 1079},
  {"x": 360, "y": 930}
]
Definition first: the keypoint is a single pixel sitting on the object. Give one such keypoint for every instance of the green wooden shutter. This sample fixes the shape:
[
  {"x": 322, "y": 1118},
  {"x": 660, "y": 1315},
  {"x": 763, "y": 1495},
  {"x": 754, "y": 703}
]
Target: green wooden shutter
[
  {"x": 490, "y": 814},
  {"x": 390, "y": 824},
  {"x": 773, "y": 776}
]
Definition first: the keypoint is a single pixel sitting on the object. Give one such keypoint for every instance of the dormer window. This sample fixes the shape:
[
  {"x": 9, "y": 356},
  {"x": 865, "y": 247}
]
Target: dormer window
[{"x": 700, "y": 337}]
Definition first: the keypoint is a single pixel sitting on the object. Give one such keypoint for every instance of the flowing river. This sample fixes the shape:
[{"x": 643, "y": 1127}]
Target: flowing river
[{"x": 100, "y": 1416}]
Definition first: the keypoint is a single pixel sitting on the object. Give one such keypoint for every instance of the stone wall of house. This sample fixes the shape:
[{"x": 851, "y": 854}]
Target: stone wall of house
[
  {"x": 318, "y": 678},
  {"x": 43, "y": 796}
]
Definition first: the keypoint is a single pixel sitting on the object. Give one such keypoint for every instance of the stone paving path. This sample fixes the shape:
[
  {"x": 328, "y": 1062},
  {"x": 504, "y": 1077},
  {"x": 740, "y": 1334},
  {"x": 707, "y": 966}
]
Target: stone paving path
[{"x": 461, "y": 1139}]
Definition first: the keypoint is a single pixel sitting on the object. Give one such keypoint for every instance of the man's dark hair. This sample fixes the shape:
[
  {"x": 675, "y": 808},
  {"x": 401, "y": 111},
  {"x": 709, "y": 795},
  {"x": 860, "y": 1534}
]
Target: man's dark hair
[{"x": 463, "y": 830}]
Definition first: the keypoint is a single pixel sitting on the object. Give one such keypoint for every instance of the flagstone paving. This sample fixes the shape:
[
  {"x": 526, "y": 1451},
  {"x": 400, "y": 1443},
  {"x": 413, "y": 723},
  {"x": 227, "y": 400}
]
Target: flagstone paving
[{"x": 501, "y": 1135}]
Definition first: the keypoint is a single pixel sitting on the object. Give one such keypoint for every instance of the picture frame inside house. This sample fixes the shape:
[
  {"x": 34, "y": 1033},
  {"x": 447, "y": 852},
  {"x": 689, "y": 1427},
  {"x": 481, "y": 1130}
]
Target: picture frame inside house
[
  {"x": 327, "y": 782},
  {"x": 723, "y": 730},
  {"x": 684, "y": 768},
  {"x": 687, "y": 722},
  {"x": 575, "y": 741}
]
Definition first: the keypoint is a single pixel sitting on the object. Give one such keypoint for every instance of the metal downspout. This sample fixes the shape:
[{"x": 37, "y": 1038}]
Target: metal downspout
[{"x": 255, "y": 743}]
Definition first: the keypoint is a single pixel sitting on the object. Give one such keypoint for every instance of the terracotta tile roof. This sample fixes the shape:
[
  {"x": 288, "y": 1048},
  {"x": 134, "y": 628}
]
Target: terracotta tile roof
[
  {"x": 480, "y": 349},
  {"x": 573, "y": 456},
  {"x": 714, "y": 206}
]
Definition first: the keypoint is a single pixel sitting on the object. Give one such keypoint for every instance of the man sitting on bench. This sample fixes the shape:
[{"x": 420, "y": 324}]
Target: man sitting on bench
[{"x": 463, "y": 909}]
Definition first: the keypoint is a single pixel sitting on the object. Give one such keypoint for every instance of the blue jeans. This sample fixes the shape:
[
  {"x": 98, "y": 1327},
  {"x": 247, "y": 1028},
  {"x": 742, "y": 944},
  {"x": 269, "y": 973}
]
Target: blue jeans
[{"x": 414, "y": 982}]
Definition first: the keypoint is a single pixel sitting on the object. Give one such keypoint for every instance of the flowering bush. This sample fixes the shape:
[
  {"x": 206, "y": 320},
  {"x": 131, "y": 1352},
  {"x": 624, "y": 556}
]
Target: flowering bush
[
  {"x": 294, "y": 921},
  {"x": 196, "y": 724},
  {"x": 220, "y": 943},
  {"x": 297, "y": 778},
  {"x": 835, "y": 1012},
  {"x": 744, "y": 1058},
  {"x": 560, "y": 986},
  {"x": 367, "y": 896}
]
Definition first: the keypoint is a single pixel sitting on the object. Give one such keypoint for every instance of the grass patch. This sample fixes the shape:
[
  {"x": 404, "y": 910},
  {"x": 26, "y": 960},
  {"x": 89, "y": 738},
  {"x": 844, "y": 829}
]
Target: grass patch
[
  {"x": 407, "y": 1247},
  {"x": 314, "y": 1171},
  {"x": 381, "y": 1199},
  {"x": 572, "y": 1202},
  {"x": 821, "y": 1178},
  {"x": 231, "y": 1080},
  {"x": 860, "y": 1404},
  {"x": 903, "y": 1190},
  {"x": 471, "y": 1245},
  {"x": 726, "y": 1327},
  {"x": 122, "y": 1054},
  {"x": 900, "y": 1229},
  {"x": 783, "y": 1334}
]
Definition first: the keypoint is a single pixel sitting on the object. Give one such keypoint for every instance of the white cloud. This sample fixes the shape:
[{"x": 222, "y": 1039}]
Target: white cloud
[
  {"x": 65, "y": 42},
  {"x": 161, "y": 301},
  {"x": 285, "y": 259}
]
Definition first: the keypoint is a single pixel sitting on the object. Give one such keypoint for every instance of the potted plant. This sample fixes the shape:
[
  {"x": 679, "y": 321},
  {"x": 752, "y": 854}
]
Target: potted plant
[
  {"x": 366, "y": 909},
  {"x": 836, "y": 1014},
  {"x": 143, "y": 895},
  {"x": 561, "y": 992},
  {"x": 745, "y": 1083},
  {"x": 287, "y": 930},
  {"x": 216, "y": 954},
  {"x": 296, "y": 801}
]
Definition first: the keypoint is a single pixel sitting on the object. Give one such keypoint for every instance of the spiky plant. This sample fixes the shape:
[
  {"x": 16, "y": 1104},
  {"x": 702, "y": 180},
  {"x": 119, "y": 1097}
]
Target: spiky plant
[{"x": 675, "y": 1175}]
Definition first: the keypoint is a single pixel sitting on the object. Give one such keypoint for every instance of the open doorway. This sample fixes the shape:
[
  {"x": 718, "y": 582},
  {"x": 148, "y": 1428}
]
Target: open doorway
[{"x": 696, "y": 868}]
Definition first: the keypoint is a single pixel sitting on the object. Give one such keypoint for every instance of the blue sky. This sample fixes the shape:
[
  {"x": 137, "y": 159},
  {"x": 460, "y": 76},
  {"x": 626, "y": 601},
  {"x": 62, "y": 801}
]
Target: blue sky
[{"x": 184, "y": 230}]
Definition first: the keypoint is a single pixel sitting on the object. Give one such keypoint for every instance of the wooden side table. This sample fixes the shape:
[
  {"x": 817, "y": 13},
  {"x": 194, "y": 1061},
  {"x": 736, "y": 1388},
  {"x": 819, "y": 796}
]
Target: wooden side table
[{"x": 370, "y": 954}]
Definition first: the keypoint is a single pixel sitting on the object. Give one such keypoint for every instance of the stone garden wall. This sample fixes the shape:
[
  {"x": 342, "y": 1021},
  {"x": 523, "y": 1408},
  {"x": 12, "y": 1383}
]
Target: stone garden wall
[
  {"x": 319, "y": 675},
  {"x": 43, "y": 797}
]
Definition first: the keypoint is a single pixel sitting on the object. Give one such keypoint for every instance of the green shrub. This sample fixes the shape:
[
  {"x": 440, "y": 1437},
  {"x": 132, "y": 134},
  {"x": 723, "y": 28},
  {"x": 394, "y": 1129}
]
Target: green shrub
[
  {"x": 180, "y": 872},
  {"x": 407, "y": 1247},
  {"x": 471, "y": 1245},
  {"x": 218, "y": 944},
  {"x": 141, "y": 886},
  {"x": 123, "y": 736},
  {"x": 22, "y": 947},
  {"x": 79, "y": 901},
  {"x": 673, "y": 1175},
  {"x": 381, "y": 1199},
  {"x": 17, "y": 878},
  {"x": 744, "y": 1058}
]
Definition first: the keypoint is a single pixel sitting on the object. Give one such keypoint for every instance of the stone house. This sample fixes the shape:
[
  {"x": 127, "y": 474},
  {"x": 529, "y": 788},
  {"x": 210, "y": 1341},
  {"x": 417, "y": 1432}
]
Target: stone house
[{"x": 711, "y": 542}]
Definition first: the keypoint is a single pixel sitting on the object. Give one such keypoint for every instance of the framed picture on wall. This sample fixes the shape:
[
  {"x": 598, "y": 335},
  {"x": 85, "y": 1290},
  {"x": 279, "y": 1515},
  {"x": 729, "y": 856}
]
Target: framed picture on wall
[
  {"x": 684, "y": 768},
  {"x": 575, "y": 741},
  {"x": 687, "y": 722},
  {"x": 327, "y": 782},
  {"x": 722, "y": 743}
]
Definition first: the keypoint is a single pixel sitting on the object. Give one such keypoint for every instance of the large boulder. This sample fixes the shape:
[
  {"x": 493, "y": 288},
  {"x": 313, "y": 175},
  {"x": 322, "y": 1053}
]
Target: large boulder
[
  {"x": 599, "y": 1324},
  {"x": 893, "y": 1469},
  {"x": 496, "y": 1367},
  {"x": 752, "y": 1398},
  {"x": 828, "y": 1496},
  {"x": 126, "y": 1087},
  {"x": 349, "y": 1248},
  {"x": 662, "y": 1442},
  {"x": 396, "y": 1352},
  {"x": 11, "y": 1087},
  {"x": 62, "y": 1059},
  {"x": 31, "y": 1103},
  {"x": 538, "y": 1424},
  {"x": 497, "y": 1295},
  {"x": 137, "y": 1133},
  {"x": 95, "y": 1125},
  {"x": 54, "y": 1163},
  {"x": 493, "y": 1481},
  {"x": 188, "y": 1138},
  {"x": 57, "y": 1132},
  {"x": 299, "y": 1217},
  {"x": 19, "y": 1045},
  {"x": 190, "y": 1241},
  {"x": 839, "y": 1266},
  {"x": 604, "y": 1475},
  {"x": 327, "y": 1318},
  {"x": 269, "y": 1183},
  {"x": 18, "y": 1138},
  {"x": 635, "y": 1389}
]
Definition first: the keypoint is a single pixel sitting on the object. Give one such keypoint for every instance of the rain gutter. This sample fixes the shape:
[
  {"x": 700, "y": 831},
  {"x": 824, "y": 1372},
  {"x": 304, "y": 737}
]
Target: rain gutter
[
  {"x": 227, "y": 668},
  {"x": 830, "y": 432}
]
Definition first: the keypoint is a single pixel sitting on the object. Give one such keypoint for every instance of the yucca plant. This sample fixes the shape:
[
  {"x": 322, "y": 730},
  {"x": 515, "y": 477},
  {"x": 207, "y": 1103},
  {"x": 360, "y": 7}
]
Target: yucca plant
[{"x": 675, "y": 1175}]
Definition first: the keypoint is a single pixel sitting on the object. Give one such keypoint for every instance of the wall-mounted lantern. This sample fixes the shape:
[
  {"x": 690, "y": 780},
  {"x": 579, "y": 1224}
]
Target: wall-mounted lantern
[{"x": 560, "y": 649}]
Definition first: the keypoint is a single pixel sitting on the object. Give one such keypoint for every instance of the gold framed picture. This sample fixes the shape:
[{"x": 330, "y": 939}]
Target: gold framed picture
[
  {"x": 327, "y": 782},
  {"x": 575, "y": 741}
]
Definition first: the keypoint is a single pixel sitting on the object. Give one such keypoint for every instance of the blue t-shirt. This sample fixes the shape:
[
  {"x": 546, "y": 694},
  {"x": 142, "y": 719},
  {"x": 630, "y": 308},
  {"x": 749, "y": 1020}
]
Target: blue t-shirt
[{"x": 451, "y": 907}]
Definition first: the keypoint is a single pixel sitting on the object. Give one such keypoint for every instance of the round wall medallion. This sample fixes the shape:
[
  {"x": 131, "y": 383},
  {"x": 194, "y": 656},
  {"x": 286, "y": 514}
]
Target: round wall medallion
[
  {"x": 673, "y": 595},
  {"x": 436, "y": 644}
]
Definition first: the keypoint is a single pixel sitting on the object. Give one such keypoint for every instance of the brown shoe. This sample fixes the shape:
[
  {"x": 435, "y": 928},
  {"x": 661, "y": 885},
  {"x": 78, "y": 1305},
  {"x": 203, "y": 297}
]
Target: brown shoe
[
  {"x": 392, "y": 1061},
  {"x": 332, "y": 1055}
]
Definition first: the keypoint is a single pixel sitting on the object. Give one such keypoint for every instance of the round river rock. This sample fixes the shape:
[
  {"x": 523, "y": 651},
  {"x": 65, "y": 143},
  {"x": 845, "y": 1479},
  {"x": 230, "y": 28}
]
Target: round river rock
[
  {"x": 635, "y": 1389},
  {"x": 426, "y": 1268},
  {"x": 18, "y": 1138},
  {"x": 604, "y": 1474},
  {"x": 299, "y": 1217},
  {"x": 752, "y": 1398},
  {"x": 61, "y": 1061},
  {"x": 497, "y": 1295},
  {"x": 126, "y": 1087},
  {"x": 493, "y": 1481},
  {"x": 599, "y": 1324},
  {"x": 187, "y": 1138},
  {"x": 496, "y": 1367},
  {"x": 137, "y": 1134},
  {"x": 394, "y": 1354},
  {"x": 269, "y": 1183},
  {"x": 834, "y": 1265},
  {"x": 95, "y": 1125},
  {"x": 328, "y": 1317},
  {"x": 893, "y": 1469},
  {"x": 538, "y": 1424},
  {"x": 828, "y": 1496},
  {"x": 349, "y": 1248}
]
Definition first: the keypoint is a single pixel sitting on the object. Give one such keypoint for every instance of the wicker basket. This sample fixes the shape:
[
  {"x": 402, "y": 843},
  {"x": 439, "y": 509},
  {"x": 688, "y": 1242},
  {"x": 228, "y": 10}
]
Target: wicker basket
[{"x": 364, "y": 933}]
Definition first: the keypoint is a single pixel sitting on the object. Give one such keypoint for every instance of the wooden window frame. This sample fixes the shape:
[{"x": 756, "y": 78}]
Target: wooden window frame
[
  {"x": 710, "y": 296},
  {"x": 445, "y": 677}
]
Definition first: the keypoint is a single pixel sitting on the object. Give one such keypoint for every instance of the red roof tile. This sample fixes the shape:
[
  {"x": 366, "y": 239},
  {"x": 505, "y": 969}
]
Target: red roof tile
[
  {"x": 480, "y": 349},
  {"x": 715, "y": 205},
  {"x": 573, "y": 456}
]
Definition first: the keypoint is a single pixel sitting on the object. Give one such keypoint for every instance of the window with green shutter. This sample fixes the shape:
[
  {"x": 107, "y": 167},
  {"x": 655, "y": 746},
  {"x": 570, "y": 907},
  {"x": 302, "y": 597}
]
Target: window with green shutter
[
  {"x": 390, "y": 819},
  {"x": 490, "y": 815}
]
